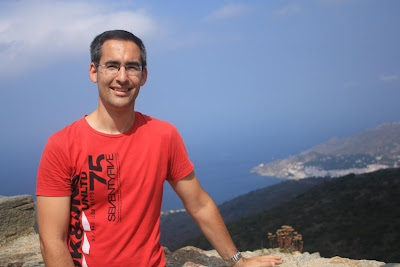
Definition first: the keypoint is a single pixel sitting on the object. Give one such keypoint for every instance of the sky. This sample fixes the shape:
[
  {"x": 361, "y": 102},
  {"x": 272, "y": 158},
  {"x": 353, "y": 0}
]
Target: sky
[{"x": 241, "y": 80}]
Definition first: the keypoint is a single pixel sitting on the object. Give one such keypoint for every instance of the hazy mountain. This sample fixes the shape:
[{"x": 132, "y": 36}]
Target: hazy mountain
[
  {"x": 370, "y": 150},
  {"x": 355, "y": 216}
]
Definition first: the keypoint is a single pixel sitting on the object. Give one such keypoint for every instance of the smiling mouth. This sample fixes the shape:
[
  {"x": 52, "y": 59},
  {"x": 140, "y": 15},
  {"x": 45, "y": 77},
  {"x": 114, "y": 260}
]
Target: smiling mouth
[{"x": 121, "y": 89}]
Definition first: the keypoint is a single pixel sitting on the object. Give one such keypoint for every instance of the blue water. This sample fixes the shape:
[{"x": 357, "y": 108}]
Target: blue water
[{"x": 223, "y": 180}]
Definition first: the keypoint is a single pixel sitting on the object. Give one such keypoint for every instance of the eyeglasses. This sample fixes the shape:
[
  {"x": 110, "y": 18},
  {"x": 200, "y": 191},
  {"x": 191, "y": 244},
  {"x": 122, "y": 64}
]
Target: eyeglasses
[{"x": 113, "y": 69}]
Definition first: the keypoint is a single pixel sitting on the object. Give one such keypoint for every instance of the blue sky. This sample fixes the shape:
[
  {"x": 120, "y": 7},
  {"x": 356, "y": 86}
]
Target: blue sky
[{"x": 242, "y": 80}]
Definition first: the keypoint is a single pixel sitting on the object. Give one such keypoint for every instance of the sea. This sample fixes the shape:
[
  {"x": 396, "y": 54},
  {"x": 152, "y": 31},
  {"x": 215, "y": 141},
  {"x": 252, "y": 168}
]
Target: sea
[{"x": 222, "y": 180}]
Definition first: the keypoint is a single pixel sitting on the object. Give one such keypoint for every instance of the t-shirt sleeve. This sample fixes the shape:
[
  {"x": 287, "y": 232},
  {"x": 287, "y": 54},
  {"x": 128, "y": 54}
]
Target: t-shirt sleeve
[
  {"x": 53, "y": 177},
  {"x": 179, "y": 165}
]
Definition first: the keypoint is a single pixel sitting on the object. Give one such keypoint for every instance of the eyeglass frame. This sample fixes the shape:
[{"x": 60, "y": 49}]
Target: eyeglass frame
[{"x": 118, "y": 66}]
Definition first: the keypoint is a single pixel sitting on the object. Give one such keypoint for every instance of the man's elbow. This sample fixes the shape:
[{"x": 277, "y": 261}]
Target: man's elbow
[
  {"x": 48, "y": 245},
  {"x": 205, "y": 204},
  {"x": 43, "y": 248}
]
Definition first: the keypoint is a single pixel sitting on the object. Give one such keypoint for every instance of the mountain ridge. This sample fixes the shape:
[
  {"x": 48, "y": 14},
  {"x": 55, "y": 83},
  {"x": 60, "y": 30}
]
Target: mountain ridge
[{"x": 367, "y": 151}]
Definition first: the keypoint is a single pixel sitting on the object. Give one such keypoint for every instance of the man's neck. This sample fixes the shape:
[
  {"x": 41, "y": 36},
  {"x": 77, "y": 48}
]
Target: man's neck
[{"x": 111, "y": 121}]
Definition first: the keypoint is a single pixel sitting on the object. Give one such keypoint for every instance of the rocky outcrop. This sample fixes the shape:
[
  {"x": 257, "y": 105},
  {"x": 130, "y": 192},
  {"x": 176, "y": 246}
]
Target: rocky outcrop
[
  {"x": 25, "y": 252},
  {"x": 194, "y": 257},
  {"x": 19, "y": 243},
  {"x": 17, "y": 217}
]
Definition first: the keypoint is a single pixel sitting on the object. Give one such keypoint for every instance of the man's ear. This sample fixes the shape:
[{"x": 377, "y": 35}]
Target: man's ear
[
  {"x": 144, "y": 77},
  {"x": 93, "y": 72}
]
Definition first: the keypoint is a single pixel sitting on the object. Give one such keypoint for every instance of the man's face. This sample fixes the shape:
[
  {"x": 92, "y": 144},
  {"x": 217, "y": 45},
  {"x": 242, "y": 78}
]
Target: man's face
[{"x": 118, "y": 91}]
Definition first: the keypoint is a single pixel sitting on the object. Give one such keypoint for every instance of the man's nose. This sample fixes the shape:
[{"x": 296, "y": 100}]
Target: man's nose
[{"x": 122, "y": 76}]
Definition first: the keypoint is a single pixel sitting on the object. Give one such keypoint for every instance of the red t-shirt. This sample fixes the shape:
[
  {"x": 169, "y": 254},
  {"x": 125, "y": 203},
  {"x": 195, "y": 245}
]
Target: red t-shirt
[{"x": 116, "y": 184}]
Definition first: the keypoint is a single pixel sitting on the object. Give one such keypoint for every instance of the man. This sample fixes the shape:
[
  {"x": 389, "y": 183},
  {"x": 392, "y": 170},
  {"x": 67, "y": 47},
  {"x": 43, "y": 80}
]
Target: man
[{"x": 100, "y": 179}]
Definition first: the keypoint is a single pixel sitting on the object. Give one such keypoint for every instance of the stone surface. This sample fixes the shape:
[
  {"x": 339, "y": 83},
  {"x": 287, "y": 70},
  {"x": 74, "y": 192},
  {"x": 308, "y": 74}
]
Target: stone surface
[
  {"x": 194, "y": 257},
  {"x": 25, "y": 252},
  {"x": 17, "y": 217}
]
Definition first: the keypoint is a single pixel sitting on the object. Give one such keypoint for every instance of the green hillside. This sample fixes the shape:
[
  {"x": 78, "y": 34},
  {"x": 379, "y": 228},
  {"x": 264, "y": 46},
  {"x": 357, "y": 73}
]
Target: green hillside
[
  {"x": 356, "y": 216},
  {"x": 177, "y": 228}
]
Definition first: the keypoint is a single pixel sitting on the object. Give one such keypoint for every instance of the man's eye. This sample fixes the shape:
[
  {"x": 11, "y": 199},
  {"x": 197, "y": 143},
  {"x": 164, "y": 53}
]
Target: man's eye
[
  {"x": 112, "y": 67},
  {"x": 132, "y": 68}
]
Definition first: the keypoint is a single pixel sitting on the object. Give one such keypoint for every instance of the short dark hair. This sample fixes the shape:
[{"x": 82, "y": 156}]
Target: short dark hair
[{"x": 97, "y": 44}]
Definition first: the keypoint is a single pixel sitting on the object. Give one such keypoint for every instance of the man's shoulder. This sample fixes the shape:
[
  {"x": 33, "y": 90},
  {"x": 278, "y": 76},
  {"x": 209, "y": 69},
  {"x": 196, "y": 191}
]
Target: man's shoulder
[
  {"x": 156, "y": 126},
  {"x": 68, "y": 130},
  {"x": 154, "y": 122}
]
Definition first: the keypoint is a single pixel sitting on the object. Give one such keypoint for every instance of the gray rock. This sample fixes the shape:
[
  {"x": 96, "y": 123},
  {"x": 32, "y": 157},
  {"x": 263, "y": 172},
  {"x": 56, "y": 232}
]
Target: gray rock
[
  {"x": 23, "y": 251},
  {"x": 195, "y": 257},
  {"x": 17, "y": 217},
  {"x": 302, "y": 258}
]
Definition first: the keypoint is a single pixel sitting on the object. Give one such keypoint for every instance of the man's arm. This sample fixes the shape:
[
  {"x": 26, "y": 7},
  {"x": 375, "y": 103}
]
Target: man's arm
[
  {"x": 205, "y": 213},
  {"x": 53, "y": 220}
]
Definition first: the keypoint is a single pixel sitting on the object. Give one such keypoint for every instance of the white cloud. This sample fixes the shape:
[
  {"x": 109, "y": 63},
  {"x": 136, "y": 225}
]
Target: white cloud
[
  {"x": 287, "y": 10},
  {"x": 38, "y": 33},
  {"x": 388, "y": 78},
  {"x": 228, "y": 11}
]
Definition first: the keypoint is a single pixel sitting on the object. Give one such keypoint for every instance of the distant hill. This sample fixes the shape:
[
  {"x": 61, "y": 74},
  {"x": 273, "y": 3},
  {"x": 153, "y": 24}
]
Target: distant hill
[
  {"x": 177, "y": 227},
  {"x": 355, "y": 216},
  {"x": 370, "y": 150}
]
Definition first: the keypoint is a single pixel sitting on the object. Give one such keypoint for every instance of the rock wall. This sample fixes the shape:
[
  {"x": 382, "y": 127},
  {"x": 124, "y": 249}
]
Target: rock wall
[
  {"x": 194, "y": 257},
  {"x": 25, "y": 252},
  {"x": 19, "y": 243},
  {"x": 17, "y": 217}
]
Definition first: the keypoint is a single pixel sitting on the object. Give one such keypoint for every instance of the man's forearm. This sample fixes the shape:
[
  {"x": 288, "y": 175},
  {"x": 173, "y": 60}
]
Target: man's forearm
[
  {"x": 205, "y": 213},
  {"x": 213, "y": 227},
  {"x": 56, "y": 254}
]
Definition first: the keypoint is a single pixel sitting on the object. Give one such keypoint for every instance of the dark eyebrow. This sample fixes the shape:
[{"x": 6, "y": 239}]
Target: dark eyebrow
[
  {"x": 132, "y": 63},
  {"x": 115, "y": 62}
]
